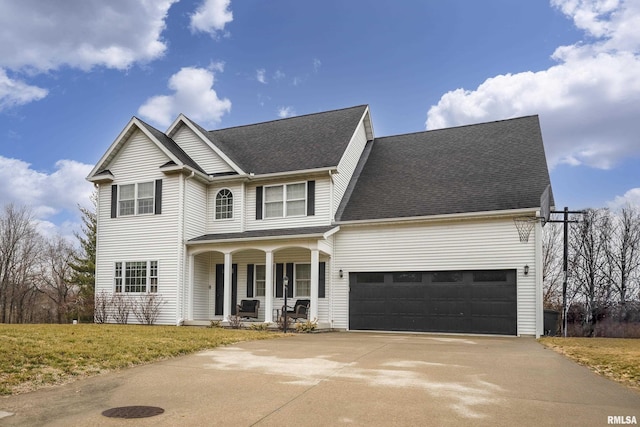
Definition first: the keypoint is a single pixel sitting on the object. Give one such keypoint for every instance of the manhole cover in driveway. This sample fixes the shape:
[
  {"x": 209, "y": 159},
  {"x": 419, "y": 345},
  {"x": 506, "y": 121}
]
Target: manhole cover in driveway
[{"x": 133, "y": 412}]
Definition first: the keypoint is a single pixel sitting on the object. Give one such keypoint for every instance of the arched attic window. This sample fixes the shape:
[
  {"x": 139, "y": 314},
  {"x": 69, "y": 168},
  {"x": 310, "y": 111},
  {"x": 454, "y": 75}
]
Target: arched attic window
[{"x": 224, "y": 204}]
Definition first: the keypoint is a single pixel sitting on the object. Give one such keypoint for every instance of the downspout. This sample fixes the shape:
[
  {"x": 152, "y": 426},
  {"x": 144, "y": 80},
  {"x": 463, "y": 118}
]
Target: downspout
[
  {"x": 331, "y": 260},
  {"x": 182, "y": 250}
]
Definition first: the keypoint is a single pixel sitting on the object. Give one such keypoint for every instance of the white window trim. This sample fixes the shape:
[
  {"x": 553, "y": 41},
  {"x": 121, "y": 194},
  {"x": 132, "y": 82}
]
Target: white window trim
[
  {"x": 255, "y": 280},
  {"x": 284, "y": 200},
  {"x": 215, "y": 205},
  {"x": 136, "y": 198},
  {"x": 295, "y": 280},
  {"x": 148, "y": 277}
]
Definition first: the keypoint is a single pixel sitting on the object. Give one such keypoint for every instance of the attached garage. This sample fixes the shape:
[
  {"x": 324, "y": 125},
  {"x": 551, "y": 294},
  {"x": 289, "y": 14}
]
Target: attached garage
[{"x": 480, "y": 301}]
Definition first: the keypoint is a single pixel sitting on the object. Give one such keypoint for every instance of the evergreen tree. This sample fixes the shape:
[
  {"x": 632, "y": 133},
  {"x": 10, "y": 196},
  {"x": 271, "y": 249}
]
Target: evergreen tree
[{"x": 84, "y": 263}]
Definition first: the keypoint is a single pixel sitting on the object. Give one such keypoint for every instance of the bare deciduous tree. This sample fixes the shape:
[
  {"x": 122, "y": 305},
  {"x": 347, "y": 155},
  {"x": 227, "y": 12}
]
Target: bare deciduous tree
[
  {"x": 588, "y": 262},
  {"x": 19, "y": 247},
  {"x": 552, "y": 251},
  {"x": 623, "y": 256},
  {"x": 56, "y": 272}
]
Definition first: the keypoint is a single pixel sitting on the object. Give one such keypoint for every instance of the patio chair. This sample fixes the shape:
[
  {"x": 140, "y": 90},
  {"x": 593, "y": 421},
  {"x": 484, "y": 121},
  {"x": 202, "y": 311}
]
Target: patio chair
[
  {"x": 300, "y": 309},
  {"x": 248, "y": 308}
]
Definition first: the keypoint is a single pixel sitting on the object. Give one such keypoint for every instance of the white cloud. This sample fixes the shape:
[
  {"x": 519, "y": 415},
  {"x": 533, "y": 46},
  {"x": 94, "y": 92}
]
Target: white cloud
[
  {"x": 211, "y": 17},
  {"x": 16, "y": 92},
  {"x": 47, "y": 194},
  {"x": 261, "y": 76},
  {"x": 587, "y": 103},
  {"x": 279, "y": 75},
  {"x": 41, "y": 36},
  {"x": 284, "y": 112},
  {"x": 630, "y": 198},
  {"x": 193, "y": 95},
  {"x": 316, "y": 64}
]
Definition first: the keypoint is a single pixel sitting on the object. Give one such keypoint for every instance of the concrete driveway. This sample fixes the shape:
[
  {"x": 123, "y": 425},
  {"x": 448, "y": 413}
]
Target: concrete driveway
[{"x": 344, "y": 379}]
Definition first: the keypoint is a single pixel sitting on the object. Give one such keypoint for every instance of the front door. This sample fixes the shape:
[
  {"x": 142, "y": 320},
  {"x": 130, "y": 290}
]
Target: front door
[{"x": 220, "y": 288}]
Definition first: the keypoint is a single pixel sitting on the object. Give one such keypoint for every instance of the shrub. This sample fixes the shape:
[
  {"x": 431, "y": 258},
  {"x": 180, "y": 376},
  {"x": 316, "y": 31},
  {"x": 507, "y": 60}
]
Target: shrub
[
  {"x": 280, "y": 323},
  {"x": 235, "y": 322},
  {"x": 101, "y": 310},
  {"x": 121, "y": 308},
  {"x": 259, "y": 326},
  {"x": 215, "y": 324},
  {"x": 307, "y": 326},
  {"x": 147, "y": 309}
]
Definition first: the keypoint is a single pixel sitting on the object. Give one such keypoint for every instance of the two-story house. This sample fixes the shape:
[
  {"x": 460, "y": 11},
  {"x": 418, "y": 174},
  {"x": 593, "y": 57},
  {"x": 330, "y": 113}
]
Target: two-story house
[{"x": 412, "y": 232}]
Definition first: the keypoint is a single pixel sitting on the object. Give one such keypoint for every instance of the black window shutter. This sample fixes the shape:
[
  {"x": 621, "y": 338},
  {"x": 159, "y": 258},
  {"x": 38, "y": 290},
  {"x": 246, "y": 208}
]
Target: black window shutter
[
  {"x": 114, "y": 201},
  {"x": 290, "y": 276},
  {"x": 321, "y": 279},
  {"x": 259, "y": 202},
  {"x": 279, "y": 270},
  {"x": 249, "y": 280},
  {"x": 311, "y": 198},
  {"x": 158, "y": 207}
]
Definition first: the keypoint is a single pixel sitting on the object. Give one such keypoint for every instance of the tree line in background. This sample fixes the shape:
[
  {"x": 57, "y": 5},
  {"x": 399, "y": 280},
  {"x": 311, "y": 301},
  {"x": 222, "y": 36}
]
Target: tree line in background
[
  {"x": 603, "y": 280},
  {"x": 45, "y": 280}
]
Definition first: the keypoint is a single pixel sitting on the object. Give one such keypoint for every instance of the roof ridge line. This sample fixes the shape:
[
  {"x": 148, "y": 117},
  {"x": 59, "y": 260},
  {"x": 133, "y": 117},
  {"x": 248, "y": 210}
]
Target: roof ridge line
[
  {"x": 458, "y": 127},
  {"x": 288, "y": 118}
]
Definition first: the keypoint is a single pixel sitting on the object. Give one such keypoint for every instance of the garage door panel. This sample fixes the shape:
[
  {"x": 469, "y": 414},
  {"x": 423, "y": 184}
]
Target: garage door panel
[{"x": 458, "y": 301}]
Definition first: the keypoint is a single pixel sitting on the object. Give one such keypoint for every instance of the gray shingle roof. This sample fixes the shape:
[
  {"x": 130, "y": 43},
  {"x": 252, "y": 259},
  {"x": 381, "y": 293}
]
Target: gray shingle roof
[
  {"x": 484, "y": 167},
  {"x": 171, "y": 145},
  {"x": 289, "y": 232},
  {"x": 298, "y": 143}
]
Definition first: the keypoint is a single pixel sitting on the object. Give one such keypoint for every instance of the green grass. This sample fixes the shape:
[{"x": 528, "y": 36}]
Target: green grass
[
  {"x": 615, "y": 358},
  {"x": 36, "y": 356}
]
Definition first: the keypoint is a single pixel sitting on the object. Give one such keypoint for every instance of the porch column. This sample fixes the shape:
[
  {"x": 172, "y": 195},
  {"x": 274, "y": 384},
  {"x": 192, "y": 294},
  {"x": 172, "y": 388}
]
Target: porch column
[
  {"x": 226, "y": 308},
  {"x": 268, "y": 285},
  {"x": 315, "y": 270}
]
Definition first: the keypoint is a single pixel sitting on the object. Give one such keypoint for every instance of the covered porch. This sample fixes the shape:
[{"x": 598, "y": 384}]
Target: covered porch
[{"x": 224, "y": 269}]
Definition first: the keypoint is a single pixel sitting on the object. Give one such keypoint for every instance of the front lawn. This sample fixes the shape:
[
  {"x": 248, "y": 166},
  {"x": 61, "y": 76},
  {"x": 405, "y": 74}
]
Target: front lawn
[
  {"x": 615, "y": 358},
  {"x": 35, "y": 356}
]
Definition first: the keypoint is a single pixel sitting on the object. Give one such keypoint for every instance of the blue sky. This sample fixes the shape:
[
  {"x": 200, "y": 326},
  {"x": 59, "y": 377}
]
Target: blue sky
[{"x": 73, "y": 72}]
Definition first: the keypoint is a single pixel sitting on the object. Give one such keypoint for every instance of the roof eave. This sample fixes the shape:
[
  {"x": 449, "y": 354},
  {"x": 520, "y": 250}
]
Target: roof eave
[
  {"x": 289, "y": 174},
  {"x": 318, "y": 235},
  {"x": 510, "y": 213}
]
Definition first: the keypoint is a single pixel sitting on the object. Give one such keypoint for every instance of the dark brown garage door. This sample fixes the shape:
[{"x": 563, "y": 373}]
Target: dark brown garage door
[{"x": 481, "y": 302}]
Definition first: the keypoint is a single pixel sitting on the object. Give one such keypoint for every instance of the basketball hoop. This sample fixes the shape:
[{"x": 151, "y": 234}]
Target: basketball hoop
[{"x": 524, "y": 224}]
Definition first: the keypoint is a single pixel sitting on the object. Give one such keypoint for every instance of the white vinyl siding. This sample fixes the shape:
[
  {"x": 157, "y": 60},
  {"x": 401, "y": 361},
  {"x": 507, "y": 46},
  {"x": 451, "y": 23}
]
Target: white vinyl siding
[
  {"x": 321, "y": 212},
  {"x": 230, "y": 225},
  {"x": 347, "y": 165},
  {"x": 202, "y": 308},
  {"x": 437, "y": 246},
  {"x": 195, "y": 209},
  {"x": 144, "y": 237},
  {"x": 200, "y": 152}
]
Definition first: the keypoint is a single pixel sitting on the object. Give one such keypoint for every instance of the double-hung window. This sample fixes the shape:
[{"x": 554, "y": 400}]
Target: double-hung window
[
  {"x": 136, "y": 276},
  {"x": 303, "y": 280},
  {"x": 285, "y": 200},
  {"x": 136, "y": 199},
  {"x": 261, "y": 280}
]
